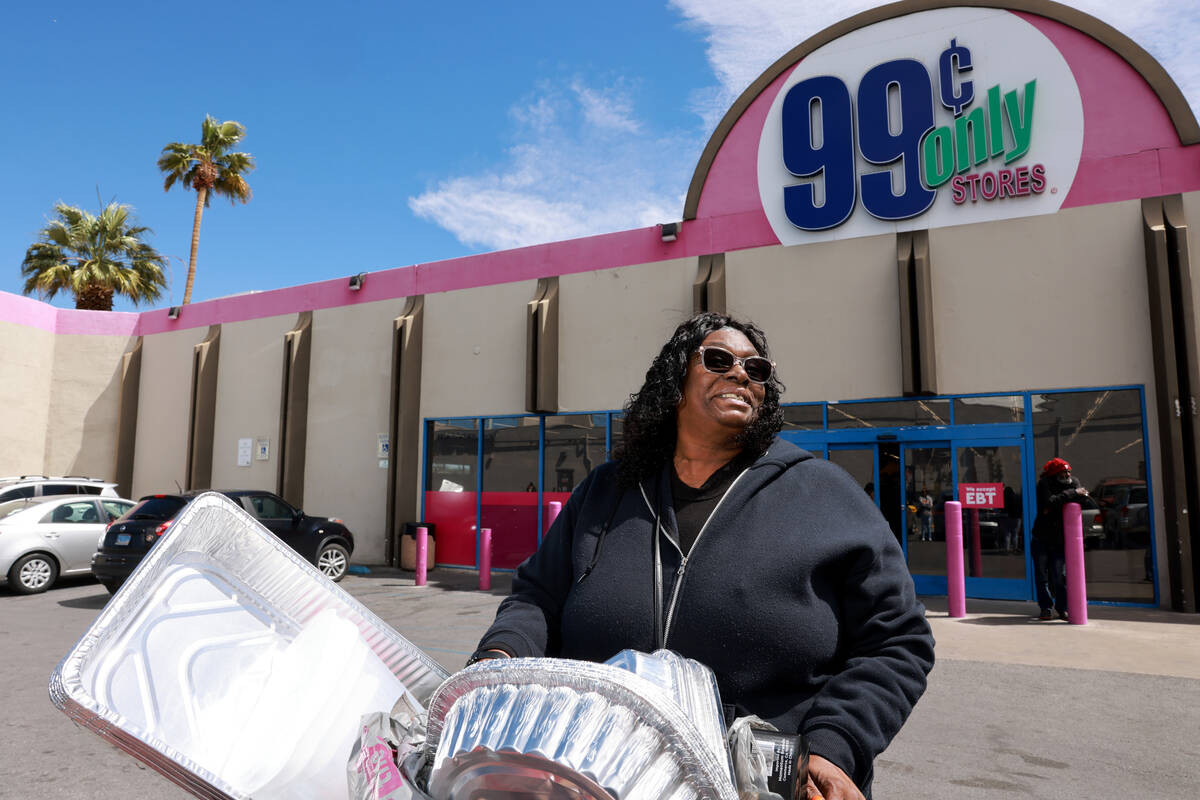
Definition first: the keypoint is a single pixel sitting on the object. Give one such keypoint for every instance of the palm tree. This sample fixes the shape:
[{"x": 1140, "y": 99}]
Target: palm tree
[
  {"x": 94, "y": 256},
  {"x": 210, "y": 168}
]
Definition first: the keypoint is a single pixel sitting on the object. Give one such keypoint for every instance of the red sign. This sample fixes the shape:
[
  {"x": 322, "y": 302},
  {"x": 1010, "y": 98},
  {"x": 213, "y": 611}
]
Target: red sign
[{"x": 981, "y": 495}]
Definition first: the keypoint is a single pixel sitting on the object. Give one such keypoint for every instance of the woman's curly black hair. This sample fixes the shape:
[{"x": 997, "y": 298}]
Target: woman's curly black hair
[{"x": 649, "y": 429}]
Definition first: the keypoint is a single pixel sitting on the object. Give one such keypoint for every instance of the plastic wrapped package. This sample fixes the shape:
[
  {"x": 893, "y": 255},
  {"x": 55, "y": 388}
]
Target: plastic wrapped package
[
  {"x": 550, "y": 728},
  {"x": 375, "y": 770},
  {"x": 691, "y": 684},
  {"x": 224, "y": 663}
]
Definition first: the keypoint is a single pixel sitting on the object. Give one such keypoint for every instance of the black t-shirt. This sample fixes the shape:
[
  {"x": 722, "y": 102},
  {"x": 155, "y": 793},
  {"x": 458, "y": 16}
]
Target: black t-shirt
[{"x": 694, "y": 506}]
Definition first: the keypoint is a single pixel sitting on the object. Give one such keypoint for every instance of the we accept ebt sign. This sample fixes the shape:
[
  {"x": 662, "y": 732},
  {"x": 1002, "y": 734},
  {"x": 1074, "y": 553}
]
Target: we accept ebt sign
[{"x": 939, "y": 118}]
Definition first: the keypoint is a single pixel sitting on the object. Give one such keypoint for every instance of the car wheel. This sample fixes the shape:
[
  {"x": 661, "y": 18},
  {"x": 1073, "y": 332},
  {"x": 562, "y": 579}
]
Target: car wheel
[
  {"x": 333, "y": 560},
  {"x": 33, "y": 573},
  {"x": 111, "y": 586}
]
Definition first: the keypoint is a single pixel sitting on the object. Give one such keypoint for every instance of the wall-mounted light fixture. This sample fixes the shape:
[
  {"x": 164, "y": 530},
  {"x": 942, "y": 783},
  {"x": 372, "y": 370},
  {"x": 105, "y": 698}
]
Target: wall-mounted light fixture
[
  {"x": 173, "y": 312},
  {"x": 670, "y": 231},
  {"x": 357, "y": 281}
]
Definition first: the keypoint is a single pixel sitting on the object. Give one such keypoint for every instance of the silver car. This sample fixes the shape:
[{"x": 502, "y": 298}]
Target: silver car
[
  {"x": 45, "y": 537},
  {"x": 16, "y": 487}
]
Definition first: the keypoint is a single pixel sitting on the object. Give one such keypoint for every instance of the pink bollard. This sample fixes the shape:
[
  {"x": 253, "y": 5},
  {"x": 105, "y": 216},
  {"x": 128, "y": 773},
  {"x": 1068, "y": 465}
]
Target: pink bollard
[
  {"x": 422, "y": 554},
  {"x": 552, "y": 514},
  {"x": 485, "y": 559},
  {"x": 1076, "y": 580},
  {"x": 956, "y": 582}
]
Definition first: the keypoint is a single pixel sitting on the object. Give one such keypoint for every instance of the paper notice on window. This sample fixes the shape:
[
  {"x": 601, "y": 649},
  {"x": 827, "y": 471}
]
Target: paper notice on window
[
  {"x": 449, "y": 486},
  {"x": 244, "y": 451}
]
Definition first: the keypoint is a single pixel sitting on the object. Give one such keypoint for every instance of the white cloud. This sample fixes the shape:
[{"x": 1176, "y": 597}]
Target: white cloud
[
  {"x": 745, "y": 38},
  {"x": 607, "y": 109},
  {"x": 586, "y": 164}
]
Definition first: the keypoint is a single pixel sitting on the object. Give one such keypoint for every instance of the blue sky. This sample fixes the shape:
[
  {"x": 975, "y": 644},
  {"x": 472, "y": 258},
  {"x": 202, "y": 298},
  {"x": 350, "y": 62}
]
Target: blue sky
[{"x": 395, "y": 133}]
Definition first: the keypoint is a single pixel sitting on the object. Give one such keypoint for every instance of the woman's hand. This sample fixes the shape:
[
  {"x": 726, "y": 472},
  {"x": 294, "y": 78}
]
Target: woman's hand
[{"x": 826, "y": 780}]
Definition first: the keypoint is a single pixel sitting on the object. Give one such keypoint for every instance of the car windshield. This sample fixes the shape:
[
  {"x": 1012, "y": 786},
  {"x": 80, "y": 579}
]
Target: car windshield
[{"x": 156, "y": 508}]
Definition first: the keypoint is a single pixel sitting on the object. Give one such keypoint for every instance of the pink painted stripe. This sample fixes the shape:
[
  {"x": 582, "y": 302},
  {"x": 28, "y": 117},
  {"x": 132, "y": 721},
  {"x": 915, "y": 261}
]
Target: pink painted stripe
[
  {"x": 732, "y": 181},
  {"x": 735, "y": 231},
  {"x": 33, "y": 313},
  {"x": 97, "y": 323},
  {"x": 26, "y": 311},
  {"x": 1120, "y": 161}
]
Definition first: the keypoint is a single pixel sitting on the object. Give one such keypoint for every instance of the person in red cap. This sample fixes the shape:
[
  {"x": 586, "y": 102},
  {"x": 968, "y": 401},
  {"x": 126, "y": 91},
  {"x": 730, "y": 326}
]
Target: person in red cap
[{"x": 1055, "y": 488}]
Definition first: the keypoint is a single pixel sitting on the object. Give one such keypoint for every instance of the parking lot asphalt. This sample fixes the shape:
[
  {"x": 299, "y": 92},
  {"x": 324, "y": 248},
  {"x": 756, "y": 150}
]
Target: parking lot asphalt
[{"x": 1015, "y": 707}]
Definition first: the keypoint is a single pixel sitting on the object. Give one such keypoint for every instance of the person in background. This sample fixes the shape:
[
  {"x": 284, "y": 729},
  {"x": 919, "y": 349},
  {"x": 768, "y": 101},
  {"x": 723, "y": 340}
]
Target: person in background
[
  {"x": 710, "y": 536},
  {"x": 925, "y": 515},
  {"x": 1010, "y": 523},
  {"x": 1055, "y": 488}
]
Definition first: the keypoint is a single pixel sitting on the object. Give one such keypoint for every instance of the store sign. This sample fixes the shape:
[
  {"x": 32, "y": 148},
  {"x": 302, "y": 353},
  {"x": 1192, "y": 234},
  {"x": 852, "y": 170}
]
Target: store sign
[
  {"x": 939, "y": 118},
  {"x": 981, "y": 495}
]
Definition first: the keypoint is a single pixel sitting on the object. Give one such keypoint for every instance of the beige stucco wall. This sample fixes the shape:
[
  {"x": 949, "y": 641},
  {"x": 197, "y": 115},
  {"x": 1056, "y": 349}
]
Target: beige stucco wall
[
  {"x": 348, "y": 406},
  {"x": 611, "y": 325},
  {"x": 26, "y": 364},
  {"x": 85, "y": 404},
  {"x": 249, "y": 382},
  {"x": 164, "y": 397},
  {"x": 831, "y": 312},
  {"x": 473, "y": 358},
  {"x": 1043, "y": 302}
]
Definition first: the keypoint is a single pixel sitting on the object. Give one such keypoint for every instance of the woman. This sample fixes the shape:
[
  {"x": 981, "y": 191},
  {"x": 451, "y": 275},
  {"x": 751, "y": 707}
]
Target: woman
[{"x": 711, "y": 537}]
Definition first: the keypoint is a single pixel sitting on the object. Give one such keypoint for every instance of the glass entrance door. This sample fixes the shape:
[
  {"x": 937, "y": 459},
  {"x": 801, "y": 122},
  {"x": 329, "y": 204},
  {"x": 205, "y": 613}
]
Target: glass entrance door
[
  {"x": 928, "y": 484},
  {"x": 912, "y": 476},
  {"x": 987, "y": 476},
  {"x": 991, "y": 476},
  {"x": 876, "y": 468}
]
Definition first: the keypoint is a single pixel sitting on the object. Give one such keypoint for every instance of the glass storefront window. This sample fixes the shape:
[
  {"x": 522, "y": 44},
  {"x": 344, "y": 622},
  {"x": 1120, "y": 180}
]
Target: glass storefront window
[
  {"x": 509, "y": 504},
  {"x": 618, "y": 433},
  {"x": 804, "y": 418},
  {"x": 509, "y": 490},
  {"x": 889, "y": 414},
  {"x": 452, "y": 456},
  {"x": 453, "y": 449},
  {"x": 510, "y": 454},
  {"x": 574, "y": 446},
  {"x": 1100, "y": 435},
  {"x": 989, "y": 410}
]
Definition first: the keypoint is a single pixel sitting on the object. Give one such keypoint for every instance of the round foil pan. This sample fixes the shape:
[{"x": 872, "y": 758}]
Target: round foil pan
[{"x": 551, "y": 728}]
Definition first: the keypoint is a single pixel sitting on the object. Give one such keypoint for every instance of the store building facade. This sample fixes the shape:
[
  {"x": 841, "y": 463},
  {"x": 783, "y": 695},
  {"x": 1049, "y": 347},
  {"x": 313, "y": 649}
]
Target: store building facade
[{"x": 964, "y": 227}]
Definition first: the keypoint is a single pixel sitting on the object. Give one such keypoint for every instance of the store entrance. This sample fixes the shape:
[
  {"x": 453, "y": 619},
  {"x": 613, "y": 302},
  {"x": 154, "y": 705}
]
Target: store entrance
[
  {"x": 876, "y": 468},
  {"x": 911, "y": 477}
]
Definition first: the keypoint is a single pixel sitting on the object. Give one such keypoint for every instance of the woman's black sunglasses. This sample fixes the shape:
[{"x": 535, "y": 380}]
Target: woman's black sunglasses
[{"x": 718, "y": 361}]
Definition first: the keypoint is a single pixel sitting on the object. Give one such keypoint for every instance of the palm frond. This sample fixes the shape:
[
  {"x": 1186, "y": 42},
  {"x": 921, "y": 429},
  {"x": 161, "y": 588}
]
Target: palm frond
[{"x": 83, "y": 252}]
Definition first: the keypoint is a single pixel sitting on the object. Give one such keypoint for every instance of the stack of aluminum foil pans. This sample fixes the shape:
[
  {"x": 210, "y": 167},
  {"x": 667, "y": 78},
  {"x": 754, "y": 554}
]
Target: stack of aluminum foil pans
[
  {"x": 555, "y": 729},
  {"x": 689, "y": 683},
  {"x": 233, "y": 667}
]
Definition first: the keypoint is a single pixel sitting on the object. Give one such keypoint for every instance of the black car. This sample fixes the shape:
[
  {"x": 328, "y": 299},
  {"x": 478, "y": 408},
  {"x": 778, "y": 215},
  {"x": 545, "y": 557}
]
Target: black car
[{"x": 322, "y": 540}]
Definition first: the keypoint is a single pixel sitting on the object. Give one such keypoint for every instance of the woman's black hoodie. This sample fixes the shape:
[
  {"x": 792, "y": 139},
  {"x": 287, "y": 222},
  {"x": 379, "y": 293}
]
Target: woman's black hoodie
[{"x": 795, "y": 594}]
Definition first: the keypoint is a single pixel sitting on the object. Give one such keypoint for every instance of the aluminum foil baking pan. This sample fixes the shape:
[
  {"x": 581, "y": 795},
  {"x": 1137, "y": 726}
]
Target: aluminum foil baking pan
[
  {"x": 551, "y": 728},
  {"x": 176, "y": 652},
  {"x": 691, "y": 684}
]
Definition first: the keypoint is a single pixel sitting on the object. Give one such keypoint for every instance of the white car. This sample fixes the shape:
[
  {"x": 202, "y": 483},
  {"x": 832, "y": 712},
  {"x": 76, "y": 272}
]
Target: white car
[
  {"x": 45, "y": 537},
  {"x": 25, "y": 486}
]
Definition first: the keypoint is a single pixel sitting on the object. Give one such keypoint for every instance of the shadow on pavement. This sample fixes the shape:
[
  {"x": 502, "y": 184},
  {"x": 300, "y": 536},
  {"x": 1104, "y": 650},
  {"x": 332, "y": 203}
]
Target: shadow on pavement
[
  {"x": 1012, "y": 612},
  {"x": 445, "y": 580},
  {"x": 1011, "y": 620},
  {"x": 93, "y": 601}
]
